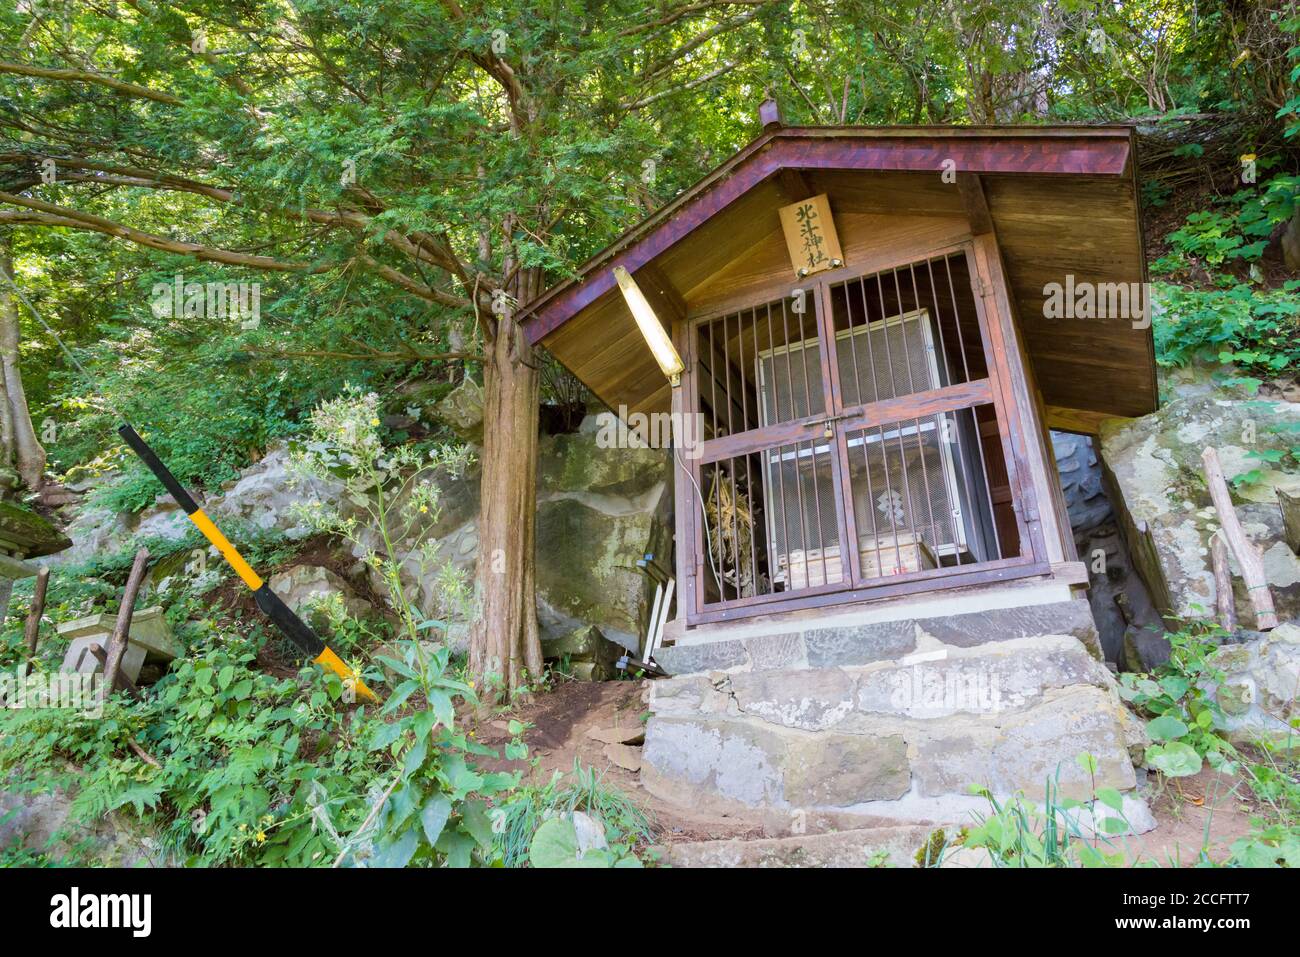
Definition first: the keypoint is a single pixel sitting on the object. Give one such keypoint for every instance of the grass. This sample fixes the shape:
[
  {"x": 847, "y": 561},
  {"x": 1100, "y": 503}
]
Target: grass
[{"x": 582, "y": 789}]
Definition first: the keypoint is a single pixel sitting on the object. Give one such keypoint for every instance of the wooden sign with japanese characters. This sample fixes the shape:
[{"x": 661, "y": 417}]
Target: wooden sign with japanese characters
[{"x": 810, "y": 236}]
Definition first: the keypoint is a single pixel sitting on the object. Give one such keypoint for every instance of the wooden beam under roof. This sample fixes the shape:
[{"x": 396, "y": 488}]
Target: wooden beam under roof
[{"x": 1078, "y": 421}]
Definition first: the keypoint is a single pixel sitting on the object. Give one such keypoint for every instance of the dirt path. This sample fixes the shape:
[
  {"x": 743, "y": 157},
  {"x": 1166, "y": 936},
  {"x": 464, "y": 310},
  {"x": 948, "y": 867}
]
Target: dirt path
[
  {"x": 1208, "y": 809},
  {"x": 561, "y": 718}
]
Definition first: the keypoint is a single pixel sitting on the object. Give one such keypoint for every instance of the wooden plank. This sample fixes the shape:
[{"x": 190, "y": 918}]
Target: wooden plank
[
  {"x": 972, "y": 197},
  {"x": 686, "y": 506},
  {"x": 1065, "y": 153},
  {"x": 762, "y": 272},
  {"x": 32, "y": 627},
  {"x": 793, "y": 185},
  {"x": 1012, "y": 397},
  {"x": 930, "y": 580},
  {"x": 1078, "y": 421},
  {"x": 811, "y": 428},
  {"x": 1072, "y": 573},
  {"x": 810, "y": 236},
  {"x": 1248, "y": 558},
  {"x": 122, "y": 681}
]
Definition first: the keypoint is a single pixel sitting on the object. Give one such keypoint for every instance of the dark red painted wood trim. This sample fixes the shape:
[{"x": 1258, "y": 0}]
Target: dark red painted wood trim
[
  {"x": 934, "y": 579},
  {"x": 1020, "y": 153}
]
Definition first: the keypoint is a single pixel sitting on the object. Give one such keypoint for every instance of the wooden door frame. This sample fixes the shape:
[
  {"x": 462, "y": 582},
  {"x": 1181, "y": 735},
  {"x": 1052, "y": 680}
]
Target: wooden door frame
[{"x": 1001, "y": 388}]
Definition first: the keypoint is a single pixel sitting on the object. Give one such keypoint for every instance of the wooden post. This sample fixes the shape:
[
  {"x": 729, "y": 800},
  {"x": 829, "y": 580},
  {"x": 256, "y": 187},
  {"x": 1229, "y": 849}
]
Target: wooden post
[
  {"x": 122, "y": 680},
  {"x": 122, "y": 630},
  {"x": 1223, "y": 599},
  {"x": 1252, "y": 566},
  {"x": 1290, "y": 505},
  {"x": 32, "y": 630}
]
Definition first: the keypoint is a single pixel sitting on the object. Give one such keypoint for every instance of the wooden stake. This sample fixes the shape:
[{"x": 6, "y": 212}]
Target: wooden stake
[
  {"x": 1223, "y": 599},
  {"x": 122, "y": 630},
  {"x": 122, "y": 680},
  {"x": 1252, "y": 566},
  {"x": 32, "y": 630}
]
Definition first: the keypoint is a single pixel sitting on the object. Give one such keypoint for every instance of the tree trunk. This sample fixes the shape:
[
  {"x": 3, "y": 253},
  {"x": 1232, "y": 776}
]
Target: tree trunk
[
  {"x": 505, "y": 649},
  {"x": 29, "y": 456}
]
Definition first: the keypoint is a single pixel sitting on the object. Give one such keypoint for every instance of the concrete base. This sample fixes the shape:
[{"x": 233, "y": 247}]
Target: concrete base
[
  {"x": 859, "y": 638},
  {"x": 863, "y": 847},
  {"x": 149, "y": 638},
  {"x": 80, "y": 659}
]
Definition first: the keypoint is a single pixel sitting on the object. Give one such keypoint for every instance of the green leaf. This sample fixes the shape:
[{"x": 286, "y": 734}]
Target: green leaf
[
  {"x": 556, "y": 845},
  {"x": 1111, "y": 798},
  {"x": 1166, "y": 728},
  {"x": 396, "y": 852},
  {"x": 433, "y": 816},
  {"x": 457, "y": 848},
  {"x": 442, "y": 708},
  {"x": 384, "y": 735},
  {"x": 415, "y": 757},
  {"x": 1175, "y": 759},
  {"x": 474, "y": 818}
]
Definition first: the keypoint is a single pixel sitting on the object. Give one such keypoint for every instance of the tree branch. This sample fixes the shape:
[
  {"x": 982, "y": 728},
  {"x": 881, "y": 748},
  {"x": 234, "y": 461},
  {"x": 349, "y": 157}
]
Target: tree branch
[
  {"x": 410, "y": 355},
  {"x": 72, "y": 217},
  {"x": 81, "y": 76},
  {"x": 697, "y": 82}
]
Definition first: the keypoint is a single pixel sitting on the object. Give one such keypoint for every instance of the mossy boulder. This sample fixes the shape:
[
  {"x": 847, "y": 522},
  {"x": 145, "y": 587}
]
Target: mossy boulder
[
  {"x": 461, "y": 411},
  {"x": 28, "y": 533},
  {"x": 1154, "y": 468},
  {"x": 586, "y": 567}
]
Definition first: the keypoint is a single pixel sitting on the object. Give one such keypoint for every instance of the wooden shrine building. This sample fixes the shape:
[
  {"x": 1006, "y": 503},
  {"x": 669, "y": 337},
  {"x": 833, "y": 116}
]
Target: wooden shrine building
[{"x": 877, "y": 327}]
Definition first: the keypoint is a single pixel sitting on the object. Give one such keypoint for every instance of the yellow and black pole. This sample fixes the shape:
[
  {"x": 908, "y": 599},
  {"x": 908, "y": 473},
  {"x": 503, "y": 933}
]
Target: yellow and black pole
[{"x": 290, "y": 625}]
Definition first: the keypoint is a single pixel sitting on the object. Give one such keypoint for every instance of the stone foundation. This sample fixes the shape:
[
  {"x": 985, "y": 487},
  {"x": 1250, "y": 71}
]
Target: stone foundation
[{"x": 892, "y": 721}]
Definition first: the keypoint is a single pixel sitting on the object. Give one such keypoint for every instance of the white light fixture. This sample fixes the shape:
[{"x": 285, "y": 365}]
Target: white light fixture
[{"x": 651, "y": 329}]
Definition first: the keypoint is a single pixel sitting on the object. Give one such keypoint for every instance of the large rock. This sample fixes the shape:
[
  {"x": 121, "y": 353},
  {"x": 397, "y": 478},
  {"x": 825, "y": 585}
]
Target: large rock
[
  {"x": 267, "y": 493},
  {"x": 264, "y": 497},
  {"x": 94, "y": 531},
  {"x": 599, "y": 510},
  {"x": 1154, "y": 465},
  {"x": 1081, "y": 481},
  {"x": 860, "y": 847},
  {"x": 589, "y": 654},
  {"x": 39, "y": 822},
  {"x": 461, "y": 411},
  {"x": 304, "y": 587},
  {"x": 28, "y": 534},
  {"x": 586, "y": 569},
  {"x": 1258, "y": 693}
]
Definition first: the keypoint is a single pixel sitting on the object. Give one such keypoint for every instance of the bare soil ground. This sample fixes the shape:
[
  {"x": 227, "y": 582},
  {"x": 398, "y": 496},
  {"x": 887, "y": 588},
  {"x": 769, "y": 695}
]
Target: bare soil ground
[
  {"x": 560, "y": 719},
  {"x": 1209, "y": 810}
]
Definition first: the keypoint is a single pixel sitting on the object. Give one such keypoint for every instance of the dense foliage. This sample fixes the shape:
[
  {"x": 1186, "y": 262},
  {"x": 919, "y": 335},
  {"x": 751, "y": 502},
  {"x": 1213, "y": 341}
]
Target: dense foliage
[
  {"x": 250, "y": 129},
  {"x": 379, "y": 170}
]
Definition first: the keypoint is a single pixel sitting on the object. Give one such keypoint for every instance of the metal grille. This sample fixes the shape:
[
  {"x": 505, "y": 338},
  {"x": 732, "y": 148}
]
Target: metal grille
[{"x": 791, "y": 463}]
